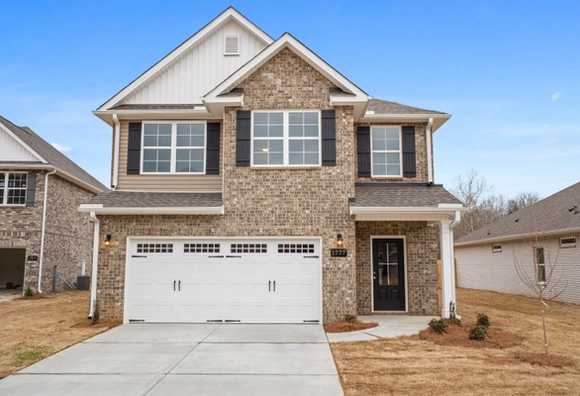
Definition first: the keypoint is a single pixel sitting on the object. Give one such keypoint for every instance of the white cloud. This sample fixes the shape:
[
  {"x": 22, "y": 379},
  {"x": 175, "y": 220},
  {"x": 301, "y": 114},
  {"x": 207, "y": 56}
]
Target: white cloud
[
  {"x": 61, "y": 148},
  {"x": 556, "y": 96}
]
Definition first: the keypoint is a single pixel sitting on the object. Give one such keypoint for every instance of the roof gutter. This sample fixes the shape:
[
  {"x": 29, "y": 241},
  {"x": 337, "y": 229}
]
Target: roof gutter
[
  {"x": 515, "y": 237},
  {"x": 441, "y": 208},
  {"x": 95, "y": 266},
  {"x": 188, "y": 210},
  {"x": 43, "y": 229}
]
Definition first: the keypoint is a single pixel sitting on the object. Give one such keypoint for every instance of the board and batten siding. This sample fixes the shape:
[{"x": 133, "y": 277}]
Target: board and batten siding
[
  {"x": 479, "y": 268},
  {"x": 160, "y": 183},
  {"x": 200, "y": 69}
]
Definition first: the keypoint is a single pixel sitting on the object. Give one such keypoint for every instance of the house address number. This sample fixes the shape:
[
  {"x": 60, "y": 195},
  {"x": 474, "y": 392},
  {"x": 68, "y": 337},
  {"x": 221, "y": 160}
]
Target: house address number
[{"x": 338, "y": 252}]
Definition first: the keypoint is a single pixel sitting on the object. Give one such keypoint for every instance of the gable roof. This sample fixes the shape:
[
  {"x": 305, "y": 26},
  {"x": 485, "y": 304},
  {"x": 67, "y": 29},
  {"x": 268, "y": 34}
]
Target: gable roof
[
  {"x": 556, "y": 214},
  {"x": 377, "y": 194},
  {"x": 290, "y": 42},
  {"x": 226, "y": 15},
  {"x": 48, "y": 155},
  {"x": 379, "y": 106}
]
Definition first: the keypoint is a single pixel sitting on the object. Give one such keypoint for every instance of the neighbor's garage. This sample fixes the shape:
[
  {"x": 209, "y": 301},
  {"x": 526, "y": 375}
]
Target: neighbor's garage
[
  {"x": 223, "y": 280},
  {"x": 12, "y": 268}
]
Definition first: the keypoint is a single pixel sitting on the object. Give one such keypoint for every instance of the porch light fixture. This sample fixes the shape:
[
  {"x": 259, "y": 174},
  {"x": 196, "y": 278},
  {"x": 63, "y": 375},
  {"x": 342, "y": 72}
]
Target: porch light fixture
[
  {"x": 339, "y": 240},
  {"x": 108, "y": 239}
]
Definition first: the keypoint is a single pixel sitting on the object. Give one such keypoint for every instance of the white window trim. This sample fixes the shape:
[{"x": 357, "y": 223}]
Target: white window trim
[
  {"x": 400, "y": 151},
  {"x": 496, "y": 251},
  {"x": 538, "y": 265},
  {"x": 286, "y": 139},
  {"x": 174, "y": 147},
  {"x": 4, "y": 197},
  {"x": 230, "y": 35}
]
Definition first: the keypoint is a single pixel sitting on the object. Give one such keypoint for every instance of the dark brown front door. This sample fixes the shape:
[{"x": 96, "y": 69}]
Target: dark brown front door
[{"x": 388, "y": 275}]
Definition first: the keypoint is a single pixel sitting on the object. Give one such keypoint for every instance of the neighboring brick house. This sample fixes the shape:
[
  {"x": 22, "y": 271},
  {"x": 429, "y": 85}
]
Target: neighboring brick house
[
  {"x": 253, "y": 182},
  {"x": 41, "y": 229},
  {"x": 542, "y": 240}
]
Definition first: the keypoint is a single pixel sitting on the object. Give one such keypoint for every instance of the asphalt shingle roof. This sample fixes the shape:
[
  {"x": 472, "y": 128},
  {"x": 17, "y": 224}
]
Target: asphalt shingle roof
[
  {"x": 401, "y": 194},
  {"x": 51, "y": 154},
  {"x": 380, "y": 106},
  {"x": 559, "y": 211},
  {"x": 130, "y": 199}
]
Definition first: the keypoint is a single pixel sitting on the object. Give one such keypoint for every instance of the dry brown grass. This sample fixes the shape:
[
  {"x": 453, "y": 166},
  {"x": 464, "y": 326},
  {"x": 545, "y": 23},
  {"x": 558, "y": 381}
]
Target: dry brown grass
[
  {"x": 343, "y": 326},
  {"x": 34, "y": 328},
  {"x": 409, "y": 365}
]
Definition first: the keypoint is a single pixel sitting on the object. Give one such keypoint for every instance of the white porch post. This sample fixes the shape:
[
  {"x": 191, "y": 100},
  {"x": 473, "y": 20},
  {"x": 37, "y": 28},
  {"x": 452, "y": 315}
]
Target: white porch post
[{"x": 448, "y": 270}]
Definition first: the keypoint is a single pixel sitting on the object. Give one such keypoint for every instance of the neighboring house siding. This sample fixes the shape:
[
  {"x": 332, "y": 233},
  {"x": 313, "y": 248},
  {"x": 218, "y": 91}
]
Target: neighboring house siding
[
  {"x": 69, "y": 234},
  {"x": 178, "y": 183},
  {"x": 479, "y": 268},
  {"x": 20, "y": 228},
  {"x": 199, "y": 70},
  {"x": 422, "y": 249},
  {"x": 263, "y": 202},
  {"x": 420, "y": 154}
]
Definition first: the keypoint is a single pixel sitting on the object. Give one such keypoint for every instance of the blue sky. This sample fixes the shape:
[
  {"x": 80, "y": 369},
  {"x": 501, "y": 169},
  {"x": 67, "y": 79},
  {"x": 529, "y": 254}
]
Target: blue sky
[{"x": 509, "y": 72}]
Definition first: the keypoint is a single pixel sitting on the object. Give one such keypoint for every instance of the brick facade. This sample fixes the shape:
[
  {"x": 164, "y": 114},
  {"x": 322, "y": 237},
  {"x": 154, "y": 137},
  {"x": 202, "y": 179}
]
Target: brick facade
[
  {"x": 68, "y": 236},
  {"x": 422, "y": 249},
  {"x": 276, "y": 201}
]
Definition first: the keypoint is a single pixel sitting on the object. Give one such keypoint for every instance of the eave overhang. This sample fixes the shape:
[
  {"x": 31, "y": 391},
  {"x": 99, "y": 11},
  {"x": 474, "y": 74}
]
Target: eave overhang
[
  {"x": 408, "y": 213},
  {"x": 189, "y": 210}
]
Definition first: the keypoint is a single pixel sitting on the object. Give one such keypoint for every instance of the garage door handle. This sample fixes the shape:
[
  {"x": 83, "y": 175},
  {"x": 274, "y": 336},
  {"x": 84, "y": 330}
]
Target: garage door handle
[
  {"x": 174, "y": 282},
  {"x": 269, "y": 285},
  {"x": 179, "y": 286},
  {"x": 274, "y": 285}
]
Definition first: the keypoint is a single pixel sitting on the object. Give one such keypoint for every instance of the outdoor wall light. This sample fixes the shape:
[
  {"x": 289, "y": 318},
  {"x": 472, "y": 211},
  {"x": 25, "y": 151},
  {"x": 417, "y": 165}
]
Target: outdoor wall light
[
  {"x": 339, "y": 240},
  {"x": 108, "y": 239}
]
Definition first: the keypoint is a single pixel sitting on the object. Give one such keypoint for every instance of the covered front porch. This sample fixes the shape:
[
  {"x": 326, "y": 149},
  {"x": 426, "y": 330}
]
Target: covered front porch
[{"x": 404, "y": 249}]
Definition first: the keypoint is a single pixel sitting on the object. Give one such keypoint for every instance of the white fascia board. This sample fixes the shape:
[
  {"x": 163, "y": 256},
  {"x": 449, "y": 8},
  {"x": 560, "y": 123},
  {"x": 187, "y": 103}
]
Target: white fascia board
[
  {"x": 438, "y": 119},
  {"x": 21, "y": 142},
  {"x": 65, "y": 175},
  {"x": 214, "y": 210},
  {"x": 285, "y": 41},
  {"x": 201, "y": 113},
  {"x": 515, "y": 237},
  {"x": 218, "y": 21},
  {"x": 26, "y": 165},
  {"x": 402, "y": 213}
]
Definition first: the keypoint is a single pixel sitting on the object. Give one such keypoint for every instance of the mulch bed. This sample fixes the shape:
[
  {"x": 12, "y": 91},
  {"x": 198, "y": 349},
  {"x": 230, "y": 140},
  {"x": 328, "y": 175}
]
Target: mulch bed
[
  {"x": 343, "y": 326},
  {"x": 458, "y": 335}
]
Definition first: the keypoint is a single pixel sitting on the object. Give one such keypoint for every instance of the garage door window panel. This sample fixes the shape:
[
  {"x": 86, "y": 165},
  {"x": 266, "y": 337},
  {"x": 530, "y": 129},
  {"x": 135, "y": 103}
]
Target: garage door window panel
[
  {"x": 201, "y": 248},
  {"x": 154, "y": 248},
  {"x": 249, "y": 248}
]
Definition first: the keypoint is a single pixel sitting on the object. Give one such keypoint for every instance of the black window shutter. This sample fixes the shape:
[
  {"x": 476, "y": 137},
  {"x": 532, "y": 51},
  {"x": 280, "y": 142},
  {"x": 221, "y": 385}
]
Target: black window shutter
[
  {"x": 243, "y": 136},
  {"x": 409, "y": 156},
  {"x": 363, "y": 144},
  {"x": 212, "y": 149},
  {"x": 30, "y": 189},
  {"x": 134, "y": 149},
  {"x": 328, "y": 120}
]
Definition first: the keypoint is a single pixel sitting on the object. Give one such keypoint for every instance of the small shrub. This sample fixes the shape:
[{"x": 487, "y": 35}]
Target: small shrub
[
  {"x": 28, "y": 292},
  {"x": 478, "y": 333},
  {"x": 483, "y": 320},
  {"x": 438, "y": 326},
  {"x": 349, "y": 318}
]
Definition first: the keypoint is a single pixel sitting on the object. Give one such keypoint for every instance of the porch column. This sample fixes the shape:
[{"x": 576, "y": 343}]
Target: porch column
[{"x": 448, "y": 270}]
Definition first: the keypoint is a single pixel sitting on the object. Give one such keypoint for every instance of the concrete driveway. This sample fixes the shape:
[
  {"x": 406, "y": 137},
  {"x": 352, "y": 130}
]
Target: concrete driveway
[{"x": 178, "y": 359}]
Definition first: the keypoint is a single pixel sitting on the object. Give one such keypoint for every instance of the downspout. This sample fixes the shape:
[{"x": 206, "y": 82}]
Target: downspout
[
  {"x": 429, "y": 150},
  {"x": 117, "y": 133},
  {"x": 454, "y": 222},
  {"x": 94, "y": 267},
  {"x": 43, "y": 229}
]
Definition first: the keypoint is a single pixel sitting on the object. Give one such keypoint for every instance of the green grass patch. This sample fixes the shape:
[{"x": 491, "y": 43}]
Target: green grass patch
[{"x": 30, "y": 356}]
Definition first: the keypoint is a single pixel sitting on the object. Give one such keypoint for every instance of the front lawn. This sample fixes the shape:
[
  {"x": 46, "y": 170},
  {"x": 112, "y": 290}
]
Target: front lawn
[
  {"x": 34, "y": 328},
  {"x": 409, "y": 365}
]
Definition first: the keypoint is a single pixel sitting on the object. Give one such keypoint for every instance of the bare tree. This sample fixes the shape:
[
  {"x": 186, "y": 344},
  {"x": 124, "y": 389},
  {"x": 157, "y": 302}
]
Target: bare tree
[
  {"x": 536, "y": 269},
  {"x": 522, "y": 200}
]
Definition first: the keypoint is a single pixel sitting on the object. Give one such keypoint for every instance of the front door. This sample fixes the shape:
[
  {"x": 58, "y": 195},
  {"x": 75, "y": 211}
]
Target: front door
[{"x": 388, "y": 275}]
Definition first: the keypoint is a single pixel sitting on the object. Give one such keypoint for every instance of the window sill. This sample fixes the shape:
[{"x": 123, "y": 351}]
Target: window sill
[
  {"x": 282, "y": 167},
  {"x": 388, "y": 177},
  {"x": 171, "y": 174}
]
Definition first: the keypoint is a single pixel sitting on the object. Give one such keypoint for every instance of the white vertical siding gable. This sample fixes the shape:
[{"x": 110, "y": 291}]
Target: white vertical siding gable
[
  {"x": 12, "y": 150},
  {"x": 199, "y": 69}
]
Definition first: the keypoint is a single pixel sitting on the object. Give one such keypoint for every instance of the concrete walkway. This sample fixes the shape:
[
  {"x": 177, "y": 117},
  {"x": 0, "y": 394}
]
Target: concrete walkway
[
  {"x": 9, "y": 294},
  {"x": 181, "y": 359},
  {"x": 389, "y": 326}
]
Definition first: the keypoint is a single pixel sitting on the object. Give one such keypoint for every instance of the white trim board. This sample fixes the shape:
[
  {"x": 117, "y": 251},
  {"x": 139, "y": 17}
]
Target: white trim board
[
  {"x": 98, "y": 209},
  {"x": 229, "y": 14}
]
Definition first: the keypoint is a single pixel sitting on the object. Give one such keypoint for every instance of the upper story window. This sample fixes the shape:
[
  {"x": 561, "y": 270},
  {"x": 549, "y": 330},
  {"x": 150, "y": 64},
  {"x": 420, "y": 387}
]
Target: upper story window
[
  {"x": 540, "y": 260},
  {"x": 286, "y": 138},
  {"x": 13, "y": 188},
  {"x": 386, "y": 157},
  {"x": 231, "y": 44},
  {"x": 174, "y": 147}
]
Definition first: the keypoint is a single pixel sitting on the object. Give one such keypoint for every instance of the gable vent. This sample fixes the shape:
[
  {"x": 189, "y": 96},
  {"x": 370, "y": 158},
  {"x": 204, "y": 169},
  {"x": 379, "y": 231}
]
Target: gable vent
[{"x": 231, "y": 45}]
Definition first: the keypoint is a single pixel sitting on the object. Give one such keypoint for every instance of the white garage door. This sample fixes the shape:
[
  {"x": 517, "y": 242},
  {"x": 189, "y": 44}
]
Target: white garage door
[{"x": 223, "y": 280}]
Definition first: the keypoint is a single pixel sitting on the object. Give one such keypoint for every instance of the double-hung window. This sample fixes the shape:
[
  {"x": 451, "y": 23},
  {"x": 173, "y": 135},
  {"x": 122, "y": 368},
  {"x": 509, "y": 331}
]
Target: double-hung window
[
  {"x": 13, "y": 188},
  {"x": 174, "y": 147},
  {"x": 386, "y": 151},
  {"x": 286, "y": 138},
  {"x": 540, "y": 260}
]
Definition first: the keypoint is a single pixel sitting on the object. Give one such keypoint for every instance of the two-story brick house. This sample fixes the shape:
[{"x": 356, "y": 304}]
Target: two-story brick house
[
  {"x": 45, "y": 243},
  {"x": 253, "y": 182}
]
